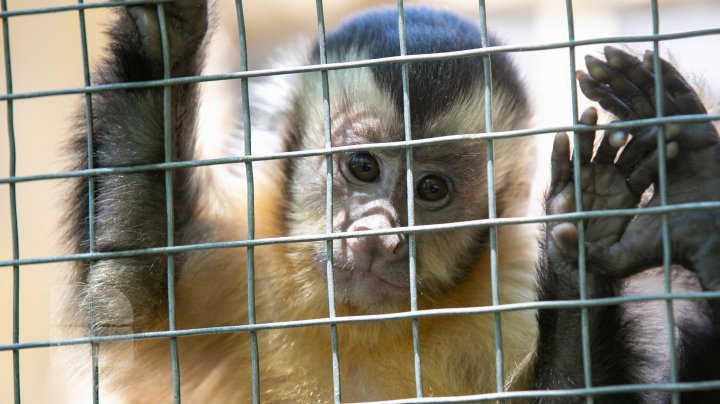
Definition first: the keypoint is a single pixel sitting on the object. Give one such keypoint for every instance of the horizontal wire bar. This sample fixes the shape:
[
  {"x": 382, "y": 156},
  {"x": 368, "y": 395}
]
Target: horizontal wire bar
[
  {"x": 355, "y": 64},
  {"x": 366, "y": 233},
  {"x": 407, "y": 315},
  {"x": 360, "y": 147},
  {"x": 76, "y": 7},
  {"x": 589, "y": 391}
]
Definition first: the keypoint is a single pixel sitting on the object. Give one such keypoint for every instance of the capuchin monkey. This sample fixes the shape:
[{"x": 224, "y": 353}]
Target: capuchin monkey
[
  {"x": 129, "y": 294},
  {"x": 124, "y": 295}
]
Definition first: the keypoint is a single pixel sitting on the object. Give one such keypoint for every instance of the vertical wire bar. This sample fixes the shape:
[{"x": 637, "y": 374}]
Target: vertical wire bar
[
  {"x": 13, "y": 206},
  {"x": 582, "y": 278},
  {"x": 662, "y": 185},
  {"x": 412, "y": 264},
  {"x": 328, "y": 200},
  {"x": 492, "y": 211},
  {"x": 169, "y": 203},
  {"x": 94, "y": 347},
  {"x": 250, "y": 185}
]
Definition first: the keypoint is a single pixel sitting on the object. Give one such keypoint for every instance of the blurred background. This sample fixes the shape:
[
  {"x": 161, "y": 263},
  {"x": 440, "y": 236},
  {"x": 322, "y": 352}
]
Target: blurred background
[{"x": 46, "y": 54}]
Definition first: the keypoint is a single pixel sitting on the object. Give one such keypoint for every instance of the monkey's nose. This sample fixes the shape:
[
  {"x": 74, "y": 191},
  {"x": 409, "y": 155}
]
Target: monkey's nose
[{"x": 390, "y": 246}]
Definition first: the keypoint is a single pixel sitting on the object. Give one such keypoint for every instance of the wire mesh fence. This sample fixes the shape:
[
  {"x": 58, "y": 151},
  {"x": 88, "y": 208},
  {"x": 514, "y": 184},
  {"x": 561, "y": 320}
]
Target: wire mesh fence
[{"x": 15, "y": 264}]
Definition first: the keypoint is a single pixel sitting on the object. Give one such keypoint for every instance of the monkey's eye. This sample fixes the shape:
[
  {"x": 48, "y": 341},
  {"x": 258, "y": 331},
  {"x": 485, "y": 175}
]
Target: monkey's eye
[
  {"x": 432, "y": 188},
  {"x": 364, "y": 166}
]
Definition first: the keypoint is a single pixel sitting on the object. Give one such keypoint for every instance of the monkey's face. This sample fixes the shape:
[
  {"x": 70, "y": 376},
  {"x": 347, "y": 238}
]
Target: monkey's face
[
  {"x": 370, "y": 186},
  {"x": 370, "y": 193}
]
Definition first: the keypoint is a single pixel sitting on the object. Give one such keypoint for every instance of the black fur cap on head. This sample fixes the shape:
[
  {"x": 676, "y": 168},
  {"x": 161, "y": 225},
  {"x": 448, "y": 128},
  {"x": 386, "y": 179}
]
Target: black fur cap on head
[{"x": 434, "y": 85}]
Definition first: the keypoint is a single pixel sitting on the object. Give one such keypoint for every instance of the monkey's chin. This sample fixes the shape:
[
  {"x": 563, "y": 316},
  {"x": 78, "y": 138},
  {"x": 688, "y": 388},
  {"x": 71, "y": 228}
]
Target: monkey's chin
[{"x": 367, "y": 291}]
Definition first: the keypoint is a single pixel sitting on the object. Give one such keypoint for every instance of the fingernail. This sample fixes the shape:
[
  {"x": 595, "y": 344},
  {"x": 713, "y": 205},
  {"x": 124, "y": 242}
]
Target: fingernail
[
  {"x": 648, "y": 60},
  {"x": 618, "y": 139},
  {"x": 672, "y": 131},
  {"x": 597, "y": 71},
  {"x": 615, "y": 57}
]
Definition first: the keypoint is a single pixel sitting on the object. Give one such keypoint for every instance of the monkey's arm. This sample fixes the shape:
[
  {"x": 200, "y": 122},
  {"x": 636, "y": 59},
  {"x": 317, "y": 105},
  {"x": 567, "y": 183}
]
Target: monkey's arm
[
  {"x": 127, "y": 130},
  {"x": 604, "y": 185},
  {"x": 624, "y": 85}
]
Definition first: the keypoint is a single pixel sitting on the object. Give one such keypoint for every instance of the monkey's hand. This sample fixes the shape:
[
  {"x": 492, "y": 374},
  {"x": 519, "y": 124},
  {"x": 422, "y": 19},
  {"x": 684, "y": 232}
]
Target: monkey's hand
[
  {"x": 624, "y": 85},
  {"x": 605, "y": 184},
  {"x": 185, "y": 26}
]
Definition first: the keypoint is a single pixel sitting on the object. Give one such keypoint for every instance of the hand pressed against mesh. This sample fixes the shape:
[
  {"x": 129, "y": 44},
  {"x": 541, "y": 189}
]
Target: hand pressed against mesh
[
  {"x": 607, "y": 181},
  {"x": 624, "y": 85}
]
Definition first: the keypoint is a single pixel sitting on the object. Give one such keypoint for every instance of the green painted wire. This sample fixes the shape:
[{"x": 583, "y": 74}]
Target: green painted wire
[
  {"x": 397, "y": 230},
  {"x": 492, "y": 209},
  {"x": 412, "y": 254},
  {"x": 582, "y": 271},
  {"x": 328, "y": 202},
  {"x": 169, "y": 201},
  {"x": 94, "y": 348},
  {"x": 13, "y": 208},
  {"x": 250, "y": 189},
  {"x": 352, "y": 148},
  {"x": 362, "y": 63},
  {"x": 662, "y": 190}
]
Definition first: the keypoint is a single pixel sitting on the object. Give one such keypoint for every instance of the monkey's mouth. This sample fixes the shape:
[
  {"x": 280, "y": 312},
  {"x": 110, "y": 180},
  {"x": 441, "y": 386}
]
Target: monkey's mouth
[{"x": 371, "y": 285}]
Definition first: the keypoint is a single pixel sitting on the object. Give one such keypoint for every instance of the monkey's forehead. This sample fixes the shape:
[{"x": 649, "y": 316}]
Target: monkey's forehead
[
  {"x": 362, "y": 111},
  {"x": 435, "y": 86}
]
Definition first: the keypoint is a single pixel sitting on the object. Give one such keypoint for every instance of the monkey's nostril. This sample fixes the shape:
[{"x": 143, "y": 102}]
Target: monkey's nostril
[{"x": 391, "y": 245}]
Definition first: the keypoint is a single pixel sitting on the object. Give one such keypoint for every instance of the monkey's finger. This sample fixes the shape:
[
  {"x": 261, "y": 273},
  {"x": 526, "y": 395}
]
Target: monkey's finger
[
  {"x": 560, "y": 168},
  {"x": 611, "y": 141},
  {"x": 635, "y": 251},
  {"x": 642, "y": 144},
  {"x": 686, "y": 99},
  {"x": 693, "y": 137},
  {"x": 646, "y": 172},
  {"x": 641, "y": 74},
  {"x": 604, "y": 96},
  {"x": 619, "y": 260},
  {"x": 620, "y": 60},
  {"x": 587, "y": 138},
  {"x": 633, "y": 68},
  {"x": 669, "y": 102},
  {"x": 621, "y": 85}
]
